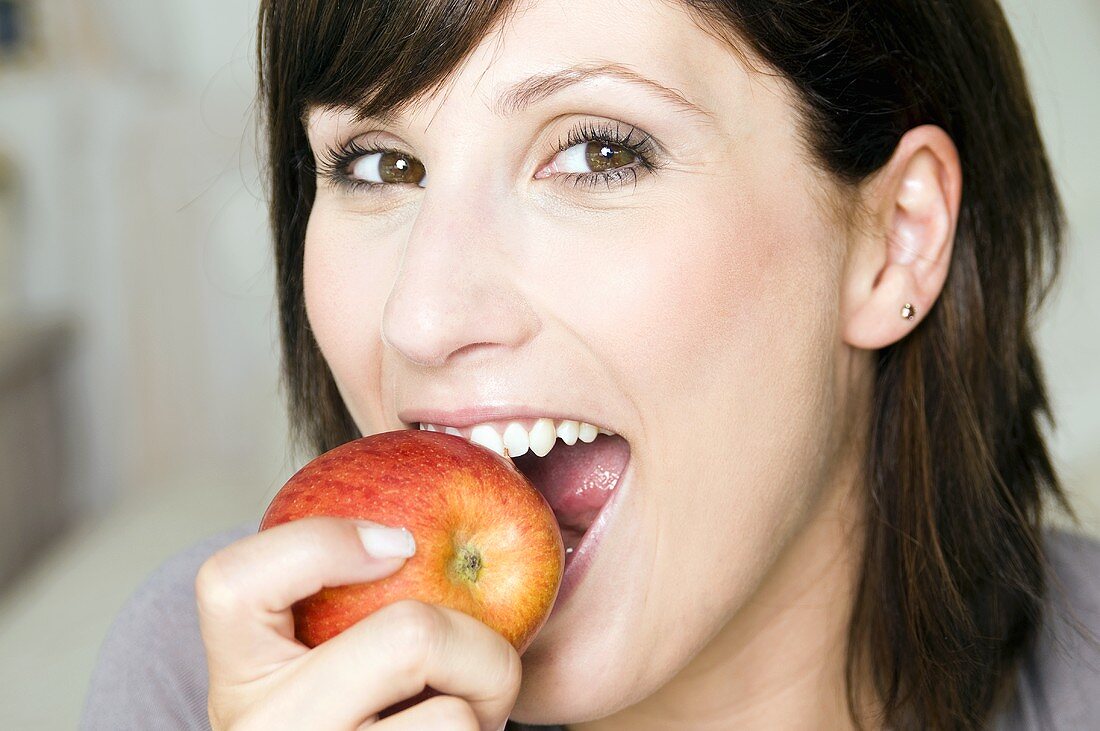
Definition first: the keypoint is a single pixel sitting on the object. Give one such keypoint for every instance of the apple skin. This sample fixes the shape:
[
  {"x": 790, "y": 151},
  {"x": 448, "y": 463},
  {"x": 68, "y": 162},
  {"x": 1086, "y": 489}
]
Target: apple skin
[{"x": 487, "y": 542}]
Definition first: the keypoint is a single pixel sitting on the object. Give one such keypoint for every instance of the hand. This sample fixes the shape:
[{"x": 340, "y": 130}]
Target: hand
[{"x": 261, "y": 677}]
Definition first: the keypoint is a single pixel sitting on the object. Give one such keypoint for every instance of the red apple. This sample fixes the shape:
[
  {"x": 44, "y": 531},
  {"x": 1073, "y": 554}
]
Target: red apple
[{"x": 487, "y": 542}]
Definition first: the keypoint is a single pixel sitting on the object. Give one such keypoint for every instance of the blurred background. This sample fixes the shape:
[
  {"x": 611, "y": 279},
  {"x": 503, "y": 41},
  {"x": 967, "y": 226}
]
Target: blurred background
[{"x": 139, "y": 401}]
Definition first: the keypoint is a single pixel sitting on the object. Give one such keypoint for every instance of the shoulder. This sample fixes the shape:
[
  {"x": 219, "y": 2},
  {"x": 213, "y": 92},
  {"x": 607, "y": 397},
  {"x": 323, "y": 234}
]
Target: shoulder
[
  {"x": 1075, "y": 564},
  {"x": 170, "y": 587},
  {"x": 151, "y": 668},
  {"x": 1059, "y": 678}
]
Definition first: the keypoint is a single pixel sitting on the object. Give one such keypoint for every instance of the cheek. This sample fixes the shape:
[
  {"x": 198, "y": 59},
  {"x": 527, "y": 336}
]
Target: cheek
[
  {"x": 743, "y": 301},
  {"x": 726, "y": 334},
  {"x": 733, "y": 325},
  {"x": 724, "y": 310},
  {"x": 347, "y": 275}
]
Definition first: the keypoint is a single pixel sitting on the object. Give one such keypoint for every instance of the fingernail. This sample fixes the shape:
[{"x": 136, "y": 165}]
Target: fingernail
[{"x": 384, "y": 542}]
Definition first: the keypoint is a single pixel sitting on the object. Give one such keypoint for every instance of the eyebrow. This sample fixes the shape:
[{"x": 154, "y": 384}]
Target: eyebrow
[
  {"x": 533, "y": 89},
  {"x": 537, "y": 87}
]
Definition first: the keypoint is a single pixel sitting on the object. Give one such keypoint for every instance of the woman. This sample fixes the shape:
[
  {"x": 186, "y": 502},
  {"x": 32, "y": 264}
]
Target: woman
[{"x": 790, "y": 252}]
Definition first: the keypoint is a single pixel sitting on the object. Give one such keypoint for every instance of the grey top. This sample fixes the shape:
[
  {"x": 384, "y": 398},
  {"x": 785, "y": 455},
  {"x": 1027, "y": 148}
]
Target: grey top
[{"x": 151, "y": 669}]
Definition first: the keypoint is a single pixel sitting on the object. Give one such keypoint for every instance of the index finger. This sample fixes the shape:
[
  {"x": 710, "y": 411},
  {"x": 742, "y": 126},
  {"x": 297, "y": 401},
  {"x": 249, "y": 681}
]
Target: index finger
[{"x": 245, "y": 591}]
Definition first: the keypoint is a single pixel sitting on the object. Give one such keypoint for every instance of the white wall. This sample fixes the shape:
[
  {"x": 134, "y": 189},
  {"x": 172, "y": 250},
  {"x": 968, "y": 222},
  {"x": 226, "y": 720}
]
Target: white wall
[
  {"x": 147, "y": 220},
  {"x": 1060, "y": 45}
]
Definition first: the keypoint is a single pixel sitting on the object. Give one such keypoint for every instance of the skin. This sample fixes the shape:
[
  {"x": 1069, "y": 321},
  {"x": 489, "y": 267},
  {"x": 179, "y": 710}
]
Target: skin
[{"x": 720, "y": 315}]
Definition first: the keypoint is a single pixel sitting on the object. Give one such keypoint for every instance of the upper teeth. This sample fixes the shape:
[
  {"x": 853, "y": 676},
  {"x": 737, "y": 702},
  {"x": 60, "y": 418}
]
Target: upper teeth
[{"x": 517, "y": 437}]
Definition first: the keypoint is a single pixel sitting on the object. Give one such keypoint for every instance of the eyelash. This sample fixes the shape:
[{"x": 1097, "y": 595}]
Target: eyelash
[{"x": 334, "y": 161}]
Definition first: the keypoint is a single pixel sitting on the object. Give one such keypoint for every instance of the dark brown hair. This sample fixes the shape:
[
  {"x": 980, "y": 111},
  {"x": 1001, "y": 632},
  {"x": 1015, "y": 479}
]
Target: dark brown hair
[{"x": 957, "y": 470}]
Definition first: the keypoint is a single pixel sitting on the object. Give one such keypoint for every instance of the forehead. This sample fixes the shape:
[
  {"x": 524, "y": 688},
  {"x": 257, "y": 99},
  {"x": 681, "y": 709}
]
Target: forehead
[
  {"x": 658, "y": 35},
  {"x": 658, "y": 40}
]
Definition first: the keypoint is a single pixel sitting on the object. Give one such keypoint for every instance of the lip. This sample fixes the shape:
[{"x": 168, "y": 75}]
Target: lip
[
  {"x": 482, "y": 413},
  {"x": 590, "y": 541}
]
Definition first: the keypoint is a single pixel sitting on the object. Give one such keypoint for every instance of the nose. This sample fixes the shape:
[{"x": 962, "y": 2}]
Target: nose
[{"x": 457, "y": 288}]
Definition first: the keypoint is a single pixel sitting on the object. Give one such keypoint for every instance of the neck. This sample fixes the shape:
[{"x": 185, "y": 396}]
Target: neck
[{"x": 780, "y": 661}]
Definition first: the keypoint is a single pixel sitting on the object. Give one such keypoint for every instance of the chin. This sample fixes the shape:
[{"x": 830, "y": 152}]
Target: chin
[
  {"x": 573, "y": 675},
  {"x": 565, "y": 692},
  {"x": 569, "y": 675},
  {"x": 563, "y": 696}
]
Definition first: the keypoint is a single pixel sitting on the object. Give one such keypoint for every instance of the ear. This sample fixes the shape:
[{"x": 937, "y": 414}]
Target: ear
[{"x": 902, "y": 257}]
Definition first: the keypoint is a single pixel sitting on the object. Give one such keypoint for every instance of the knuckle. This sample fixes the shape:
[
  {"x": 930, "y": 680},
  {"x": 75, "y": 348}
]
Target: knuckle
[
  {"x": 413, "y": 628},
  {"x": 513, "y": 672},
  {"x": 214, "y": 591}
]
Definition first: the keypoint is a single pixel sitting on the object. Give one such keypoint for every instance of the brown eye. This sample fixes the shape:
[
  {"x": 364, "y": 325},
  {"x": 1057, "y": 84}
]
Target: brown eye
[
  {"x": 593, "y": 158},
  {"x": 600, "y": 156},
  {"x": 388, "y": 167}
]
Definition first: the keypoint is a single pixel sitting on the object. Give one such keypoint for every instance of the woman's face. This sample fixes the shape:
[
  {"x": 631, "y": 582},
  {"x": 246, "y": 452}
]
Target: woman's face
[{"x": 692, "y": 309}]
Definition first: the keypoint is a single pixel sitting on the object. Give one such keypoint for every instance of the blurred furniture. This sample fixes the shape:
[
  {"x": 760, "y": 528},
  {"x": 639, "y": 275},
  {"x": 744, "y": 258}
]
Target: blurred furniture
[{"x": 33, "y": 353}]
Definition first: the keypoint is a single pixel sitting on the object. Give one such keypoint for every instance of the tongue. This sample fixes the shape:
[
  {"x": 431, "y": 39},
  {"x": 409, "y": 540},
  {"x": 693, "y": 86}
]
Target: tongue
[{"x": 578, "y": 480}]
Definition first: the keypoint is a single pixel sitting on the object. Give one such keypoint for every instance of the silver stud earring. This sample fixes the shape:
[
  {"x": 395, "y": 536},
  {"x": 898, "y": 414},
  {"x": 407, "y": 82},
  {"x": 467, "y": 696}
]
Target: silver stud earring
[{"x": 908, "y": 312}]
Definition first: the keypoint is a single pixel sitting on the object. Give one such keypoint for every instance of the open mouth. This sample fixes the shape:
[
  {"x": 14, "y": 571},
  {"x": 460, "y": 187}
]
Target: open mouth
[
  {"x": 577, "y": 481},
  {"x": 575, "y": 469}
]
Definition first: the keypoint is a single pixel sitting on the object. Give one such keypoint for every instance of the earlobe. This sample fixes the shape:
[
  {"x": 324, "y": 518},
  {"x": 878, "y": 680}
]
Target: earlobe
[{"x": 898, "y": 268}]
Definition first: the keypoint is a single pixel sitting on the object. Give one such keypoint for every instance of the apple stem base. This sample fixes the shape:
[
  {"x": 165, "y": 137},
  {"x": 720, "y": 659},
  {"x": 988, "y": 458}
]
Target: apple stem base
[{"x": 466, "y": 564}]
